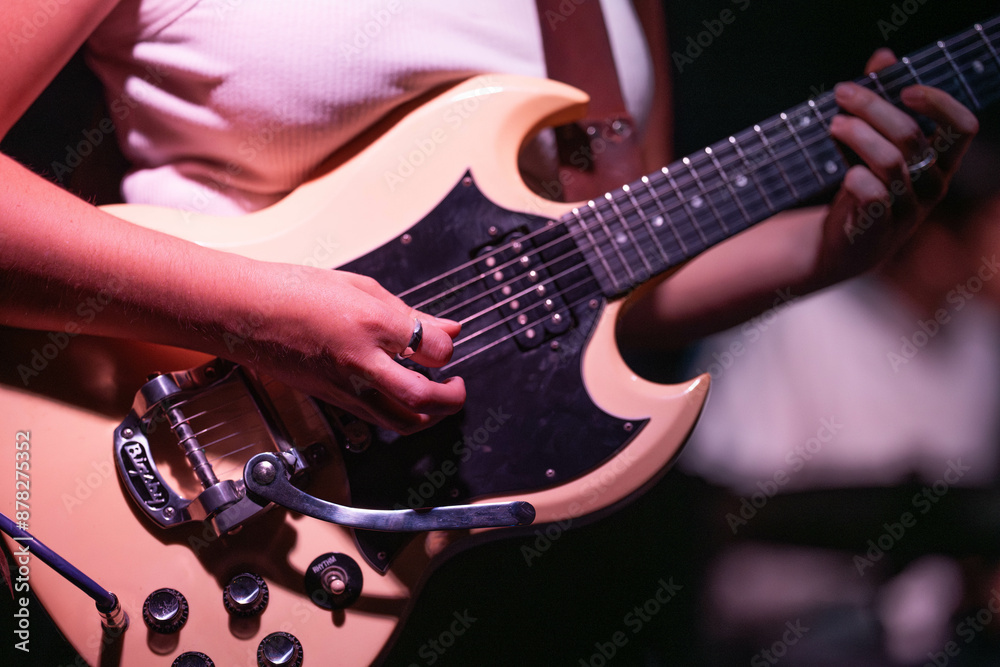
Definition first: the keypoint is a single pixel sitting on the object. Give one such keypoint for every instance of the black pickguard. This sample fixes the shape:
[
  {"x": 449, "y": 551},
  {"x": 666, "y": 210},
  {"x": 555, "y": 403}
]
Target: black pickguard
[{"x": 528, "y": 422}]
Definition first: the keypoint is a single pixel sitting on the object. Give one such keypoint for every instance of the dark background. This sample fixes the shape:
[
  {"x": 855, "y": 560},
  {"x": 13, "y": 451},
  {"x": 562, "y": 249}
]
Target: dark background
[{"x": 774, "y": 55}]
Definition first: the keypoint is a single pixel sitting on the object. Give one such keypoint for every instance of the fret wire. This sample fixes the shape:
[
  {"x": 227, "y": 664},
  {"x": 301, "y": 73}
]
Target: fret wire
[
  {"x": 684, "y": 204},
  {"x": 666, "y": 216},
  {"x": 729, "y": 186},
  {"x": 596, "y": 248},
  {"x": 704, "y": 191},
  {"x": 775, "y": 160},
  {"x": 752, "y": 173},
  {"x": 628, "y": 232},
  {"x": 802, "y": 148},
  {"x": 819, "y": 115},
  {"x": 874, "y": 77},
  {"x": 646, "y": 223},
  {"x": 612, "y": 240},
  {"x": 961, "y": 77},
  {"x": 989, "y": 44},
  {"x": 913, "y": 72}
]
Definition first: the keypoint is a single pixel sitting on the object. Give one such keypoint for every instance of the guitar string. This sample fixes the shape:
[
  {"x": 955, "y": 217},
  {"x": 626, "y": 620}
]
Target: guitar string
[
  {"x": 903, "y": 75},
  {"x": 525, "y": 327},
  {"x": 510, "y": 335},
  {"x": 518, "y": 313},
  {"x": 629, "y": 208},
  {"x": 626, "y": 209}
]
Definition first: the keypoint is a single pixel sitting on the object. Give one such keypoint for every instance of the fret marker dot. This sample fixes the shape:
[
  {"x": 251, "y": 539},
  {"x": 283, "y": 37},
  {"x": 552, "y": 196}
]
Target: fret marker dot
[
  {"x": 805, "y": 121},
  {"x": 621, "y": 239},
  {"x": 697, "y": 202},
  {"x": 831, "y": 167},
  {"x": 978, "y": 66},
  {"x": 741, "y": 181},
  {"x": 658, "y": 221}
]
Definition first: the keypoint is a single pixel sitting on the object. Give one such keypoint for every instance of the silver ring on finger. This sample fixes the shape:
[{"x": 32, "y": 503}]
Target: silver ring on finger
[
  {"x": 415, "y": 338},
  {"x": 923, "y": 165}
]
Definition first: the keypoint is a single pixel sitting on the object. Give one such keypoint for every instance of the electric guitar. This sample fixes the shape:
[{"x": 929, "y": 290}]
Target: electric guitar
[{"x": 434, "y": 209}]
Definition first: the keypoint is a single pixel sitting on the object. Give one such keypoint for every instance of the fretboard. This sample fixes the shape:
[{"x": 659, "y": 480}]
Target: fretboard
[{"x": 669, "y": 216}]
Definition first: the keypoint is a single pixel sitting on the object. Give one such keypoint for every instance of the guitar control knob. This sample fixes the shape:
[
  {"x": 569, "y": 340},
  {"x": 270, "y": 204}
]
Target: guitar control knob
[
  {"x": 334, "y": 581},
  {"x": 279, "y": 649},
  {"x": 192, "y": 659},
  {"x": 165, "y": 611},
  {"x": 245, "y": 595}
]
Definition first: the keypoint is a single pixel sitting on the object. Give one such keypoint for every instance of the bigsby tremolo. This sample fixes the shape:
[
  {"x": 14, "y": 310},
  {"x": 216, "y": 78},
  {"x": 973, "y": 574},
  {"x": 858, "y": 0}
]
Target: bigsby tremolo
[{"x": 247, "y": 446}]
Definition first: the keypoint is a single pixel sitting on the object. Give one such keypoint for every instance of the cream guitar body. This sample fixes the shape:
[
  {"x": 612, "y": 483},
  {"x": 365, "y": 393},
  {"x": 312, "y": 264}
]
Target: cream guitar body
[{"x": 459, "y": 146}]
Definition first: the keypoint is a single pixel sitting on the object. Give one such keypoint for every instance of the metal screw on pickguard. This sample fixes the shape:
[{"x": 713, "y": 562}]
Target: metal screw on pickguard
[
  {"x": 550, "y": 473},
  {"x": 628, "y": 427},
  {"x": 264, "y": 473},
  {"x": 406, "y": 239}
]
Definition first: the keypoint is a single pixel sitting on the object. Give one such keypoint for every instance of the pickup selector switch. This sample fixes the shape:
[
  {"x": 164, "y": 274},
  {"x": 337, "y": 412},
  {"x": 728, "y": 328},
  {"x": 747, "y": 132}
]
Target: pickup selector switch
[
  {"x": 279, "y": 649},
  {"x": 245, "y": 595},
  {"x": 334, "y": 581},
  {"x": 165, "y": 611}
]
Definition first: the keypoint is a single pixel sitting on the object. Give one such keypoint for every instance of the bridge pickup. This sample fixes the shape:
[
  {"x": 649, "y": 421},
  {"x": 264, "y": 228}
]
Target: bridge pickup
[{"x": 529, "y": 303}]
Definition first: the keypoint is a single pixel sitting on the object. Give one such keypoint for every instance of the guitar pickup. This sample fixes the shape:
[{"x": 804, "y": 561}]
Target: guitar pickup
[{"x": 529, "y": 302}]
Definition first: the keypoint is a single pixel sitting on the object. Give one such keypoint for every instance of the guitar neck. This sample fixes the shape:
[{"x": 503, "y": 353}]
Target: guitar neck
[{"x": 671, "y": 215}]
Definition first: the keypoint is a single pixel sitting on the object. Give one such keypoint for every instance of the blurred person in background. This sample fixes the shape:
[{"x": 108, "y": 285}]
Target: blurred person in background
[{"x": 848, "y": 432}]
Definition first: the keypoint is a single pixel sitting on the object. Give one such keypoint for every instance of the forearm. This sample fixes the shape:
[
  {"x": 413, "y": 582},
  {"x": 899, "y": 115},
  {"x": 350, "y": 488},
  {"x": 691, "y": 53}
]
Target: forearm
[
  {"x": 67, "y": 263},
  {"x": 765, "y": 266},
  {"x": 331, "y": 334}
]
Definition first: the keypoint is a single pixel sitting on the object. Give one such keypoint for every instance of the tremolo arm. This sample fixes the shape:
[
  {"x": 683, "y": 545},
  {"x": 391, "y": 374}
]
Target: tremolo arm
[{"x": 224, "y": 420}]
